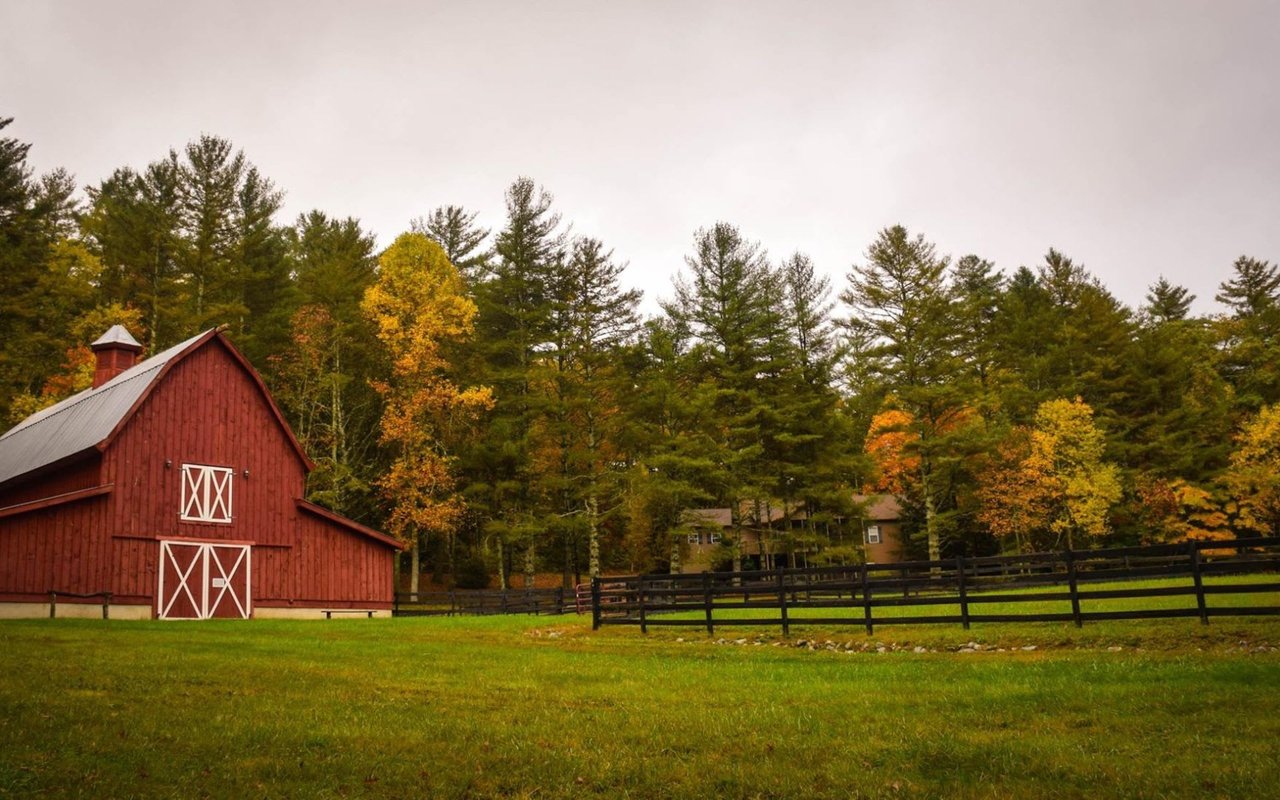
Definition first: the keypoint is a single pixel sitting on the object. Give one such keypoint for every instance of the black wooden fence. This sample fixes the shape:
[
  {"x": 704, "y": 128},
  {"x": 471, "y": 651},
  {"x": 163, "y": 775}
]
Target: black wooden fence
[
  {"x": 851, "y": 594},
  {"x": 460, "y": 602}
]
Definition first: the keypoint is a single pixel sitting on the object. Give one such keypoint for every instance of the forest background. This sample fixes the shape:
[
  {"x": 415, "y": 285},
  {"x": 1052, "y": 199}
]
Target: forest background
[{"x": 489, "y": 392}]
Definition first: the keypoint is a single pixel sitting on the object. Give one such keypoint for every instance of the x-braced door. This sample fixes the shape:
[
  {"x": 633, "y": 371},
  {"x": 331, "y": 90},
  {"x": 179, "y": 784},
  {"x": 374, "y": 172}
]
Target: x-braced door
[{"x": 200, "y": 580}]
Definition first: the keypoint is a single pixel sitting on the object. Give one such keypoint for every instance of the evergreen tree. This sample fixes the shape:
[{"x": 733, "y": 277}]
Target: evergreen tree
[
  {"x": 261, "y": 271},
  {"x": 1167, "y": 302},
  {"x": 902, "y": 303},
  {"x": 324, "y": 376},
  {"x": 134, "y": 226},
  {"x": 809, "y": 444},
  {"x": 731, "y": 304},
  {"x": 595, "y": 318},
  {"x": 455, "y": 229},
  {"x": 45, "y": 280},
  {"x": 512, "y": 333},
  {"x": 1251, "y": 334}
]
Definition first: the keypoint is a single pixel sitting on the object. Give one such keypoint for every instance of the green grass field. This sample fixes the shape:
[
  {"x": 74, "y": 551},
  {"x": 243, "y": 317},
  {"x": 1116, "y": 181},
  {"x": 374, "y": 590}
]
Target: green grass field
[{"x": 543, "y": 707}]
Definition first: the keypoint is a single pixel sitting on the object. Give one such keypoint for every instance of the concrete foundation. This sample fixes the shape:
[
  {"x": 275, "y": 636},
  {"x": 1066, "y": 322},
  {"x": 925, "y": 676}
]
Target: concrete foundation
[{"x": 72, "y": 611}]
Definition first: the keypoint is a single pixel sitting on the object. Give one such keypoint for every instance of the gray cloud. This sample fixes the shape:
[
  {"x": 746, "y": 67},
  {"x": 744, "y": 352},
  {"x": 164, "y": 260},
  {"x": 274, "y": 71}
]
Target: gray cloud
[{"x": 1139, "y": 138}]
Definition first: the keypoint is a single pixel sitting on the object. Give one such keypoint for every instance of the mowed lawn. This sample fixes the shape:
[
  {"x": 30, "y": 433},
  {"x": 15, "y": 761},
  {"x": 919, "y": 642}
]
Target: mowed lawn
[{"x": 543, "y": 707}]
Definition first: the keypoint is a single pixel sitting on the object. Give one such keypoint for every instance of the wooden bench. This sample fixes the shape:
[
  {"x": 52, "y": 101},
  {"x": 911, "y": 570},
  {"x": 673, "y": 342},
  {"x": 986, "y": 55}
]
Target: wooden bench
[{"x": 329, "y": 612}]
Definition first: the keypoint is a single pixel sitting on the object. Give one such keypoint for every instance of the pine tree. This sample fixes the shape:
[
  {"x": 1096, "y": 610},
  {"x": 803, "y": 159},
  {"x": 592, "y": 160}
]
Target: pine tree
[
  {"x": 134, "y": 226},
  {"x": 323, "y": 377},
  {"x": 598, "y": 317},
  {"x": 455, "y": 229},
  {"x": 1167, "y": 302},
  {"x": 211, "y": 177},
  {"x": 731, "y": 305},
  {"x": 45, "y": 282},
  {"x": 810, "y": 444},
  {"x": 512, "y": 332},
  {"x": 902, "y": 304},
  {"x": 1251, "y": 334},
  {"x": 261, "y": 270}
]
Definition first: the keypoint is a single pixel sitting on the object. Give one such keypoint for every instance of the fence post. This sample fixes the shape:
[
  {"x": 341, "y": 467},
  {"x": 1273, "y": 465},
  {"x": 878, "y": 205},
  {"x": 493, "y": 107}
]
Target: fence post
[
  {"x": 706, "y": 600},
  {"x": 1075, "y": 591},
  {"x": 866, "y": 599},
  {"x": 782, "y": 601},
  {"x": 560, "y": 600},
  {"x": 1199, "y": 581},
  {"x": 53, "y": 604},
  {"x": 644, "y": 624},
  {"x": 106, "y": 605},
  {"x": 504, "y": 601},
  {"x": 395, "y": 604},
  {"x": 595, "y": 603},
  {"x": 964, "y": 596},
  {"x": 453, "y": 603}
]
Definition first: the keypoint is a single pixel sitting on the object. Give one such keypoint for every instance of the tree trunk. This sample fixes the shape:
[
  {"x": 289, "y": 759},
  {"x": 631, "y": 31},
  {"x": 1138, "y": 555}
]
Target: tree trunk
[
  {"x": 502, "y": 565},
  {"x": 415, "y": 566},
  {"x": 930, "y": 519},
  {"x": 530, "y": 554},
  {"x": 593, "y": 534},
  {"x": 337, "y": 436}
]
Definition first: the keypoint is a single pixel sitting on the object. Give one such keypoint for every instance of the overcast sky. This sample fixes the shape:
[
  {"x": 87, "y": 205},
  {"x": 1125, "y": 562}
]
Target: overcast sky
[{"x": 1140, "y": 138}]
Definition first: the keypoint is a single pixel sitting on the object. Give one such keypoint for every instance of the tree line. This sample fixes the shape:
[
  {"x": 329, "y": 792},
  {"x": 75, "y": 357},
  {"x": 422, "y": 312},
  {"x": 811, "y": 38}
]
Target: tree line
[{"x": 495, "y": 398}]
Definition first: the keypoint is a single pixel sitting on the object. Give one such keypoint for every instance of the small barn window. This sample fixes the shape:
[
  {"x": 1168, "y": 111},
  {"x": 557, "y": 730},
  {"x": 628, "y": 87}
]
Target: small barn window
[
  {"x": 695, "y": 538},
  {"x": 873, "y": 534},
  {"x": 713, "y": 537},
  {"x": 206, "y": 493}
]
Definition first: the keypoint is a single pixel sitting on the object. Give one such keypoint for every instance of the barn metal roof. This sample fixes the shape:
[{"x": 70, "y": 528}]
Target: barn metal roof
[{"x": 82, "y": 421}]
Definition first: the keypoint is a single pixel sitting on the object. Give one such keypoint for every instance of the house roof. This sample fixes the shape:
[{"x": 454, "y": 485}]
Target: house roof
[
  {"x": 91, "y": 419},
  {"x": 712, "y": 516},
  {"x": 879, "y": 506}
]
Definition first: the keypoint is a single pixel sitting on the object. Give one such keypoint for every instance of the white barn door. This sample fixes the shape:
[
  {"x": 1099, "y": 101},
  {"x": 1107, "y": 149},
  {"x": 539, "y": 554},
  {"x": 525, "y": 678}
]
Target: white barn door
[{"x": 201, "y": 580}]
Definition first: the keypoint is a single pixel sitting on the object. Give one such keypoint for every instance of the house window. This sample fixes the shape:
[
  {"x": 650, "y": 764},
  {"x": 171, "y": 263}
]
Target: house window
[
  {"x": 873, "y": 534},
  {"x": 713, "y": 537},
  {"x": 206, "y": 493},
  {"x": 694, "y": 538}
]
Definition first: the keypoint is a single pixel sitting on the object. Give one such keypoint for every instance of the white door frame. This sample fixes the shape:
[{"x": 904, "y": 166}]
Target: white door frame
[{"x": 207, "y": 566}]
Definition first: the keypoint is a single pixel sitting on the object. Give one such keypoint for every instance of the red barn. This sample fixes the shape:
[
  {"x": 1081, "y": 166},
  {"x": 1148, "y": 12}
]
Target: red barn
[{"x": 177, "y": 486}]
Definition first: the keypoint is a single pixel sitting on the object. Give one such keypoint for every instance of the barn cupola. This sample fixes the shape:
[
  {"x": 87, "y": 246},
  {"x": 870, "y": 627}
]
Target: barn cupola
[{"x": 116, "y": 351}]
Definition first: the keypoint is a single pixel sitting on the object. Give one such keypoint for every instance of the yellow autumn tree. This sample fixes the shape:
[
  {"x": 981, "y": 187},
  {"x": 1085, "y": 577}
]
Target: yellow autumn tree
[
  {"x": 1253, "y": 477},
  {"x": 1051, "y": 479},
  {"x": 1066, "y": 452},
  {"x": 418, "y": 307}
]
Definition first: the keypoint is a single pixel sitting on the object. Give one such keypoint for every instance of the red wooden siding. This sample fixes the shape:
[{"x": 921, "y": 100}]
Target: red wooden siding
[{"x": 206, "y": 410}]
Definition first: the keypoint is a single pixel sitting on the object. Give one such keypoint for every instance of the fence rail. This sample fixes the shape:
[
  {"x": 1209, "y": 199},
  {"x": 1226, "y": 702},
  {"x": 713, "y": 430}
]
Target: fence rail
[
  {"x": 54, "y": 595},
  {"x": 1076, "y": 579},
  {"x": 479, "y": 602}
]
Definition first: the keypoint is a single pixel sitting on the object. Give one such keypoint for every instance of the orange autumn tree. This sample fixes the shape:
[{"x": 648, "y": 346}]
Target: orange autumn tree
[
  {"x": 1174, "y": 510},
  {"x": 1012, "y": 497},
  {"x": 418, "y": 307},
  {"x": 890, "y": 443}
]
